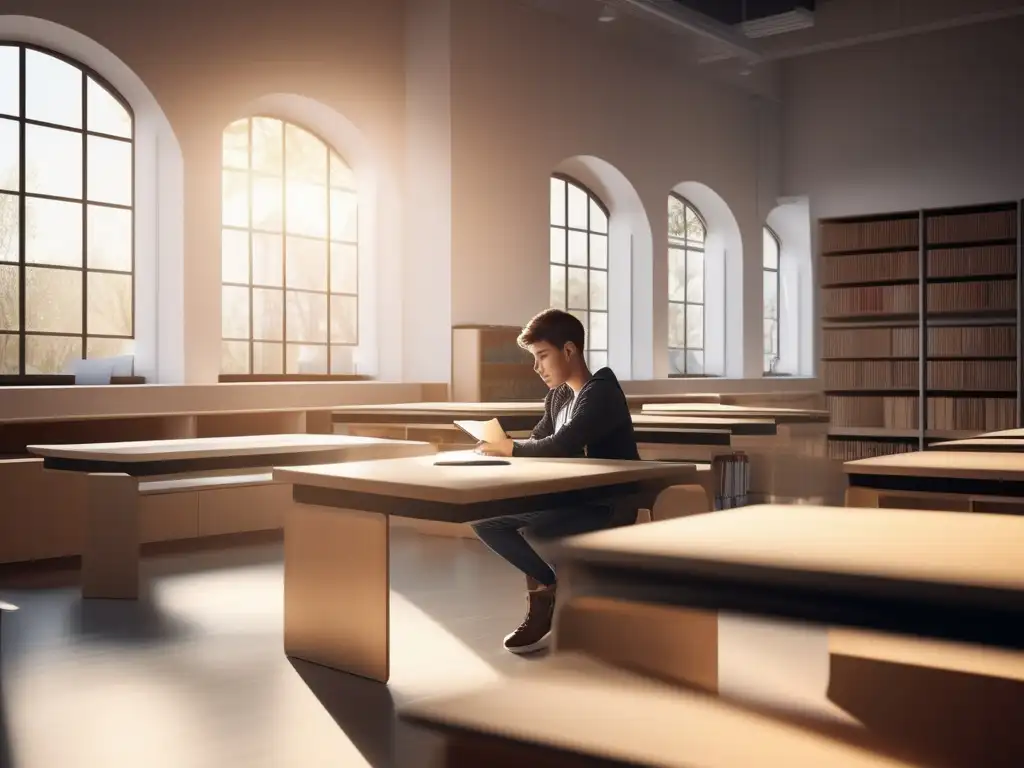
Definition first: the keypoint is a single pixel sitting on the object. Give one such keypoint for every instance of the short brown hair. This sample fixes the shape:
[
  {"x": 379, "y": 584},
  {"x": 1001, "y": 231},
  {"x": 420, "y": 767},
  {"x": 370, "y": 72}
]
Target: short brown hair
[{"x": 556, "y": 327}]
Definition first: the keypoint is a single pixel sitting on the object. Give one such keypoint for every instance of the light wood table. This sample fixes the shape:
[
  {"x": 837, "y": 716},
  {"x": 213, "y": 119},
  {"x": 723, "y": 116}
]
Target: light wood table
[
  {"x": 967, "y": 480},
  {"x": 110, "y": 560},
  {"x": 985, "y": 444},
  {"x": 337, "y": 533},
  {"x": 936, "y": 574},
  {"x": 570, "y": 711}
]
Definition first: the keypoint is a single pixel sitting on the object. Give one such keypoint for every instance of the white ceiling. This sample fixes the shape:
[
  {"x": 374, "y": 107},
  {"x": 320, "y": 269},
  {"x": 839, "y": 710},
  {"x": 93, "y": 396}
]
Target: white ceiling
[{"x": 838, "y": 24}]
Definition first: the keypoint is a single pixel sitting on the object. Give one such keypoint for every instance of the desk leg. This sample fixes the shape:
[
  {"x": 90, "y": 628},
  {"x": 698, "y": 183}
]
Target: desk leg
[
  {"x": 336, "y": 586},
  {"x": 110, "y": 557},
  {"x": 941, "y": 703}
]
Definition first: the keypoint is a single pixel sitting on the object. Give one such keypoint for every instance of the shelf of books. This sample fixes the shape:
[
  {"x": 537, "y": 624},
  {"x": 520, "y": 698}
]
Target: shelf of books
[{"x": 920, "y": 309}]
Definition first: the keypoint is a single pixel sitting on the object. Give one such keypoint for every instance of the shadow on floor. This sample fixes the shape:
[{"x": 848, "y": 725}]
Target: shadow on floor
[
  {"x": 363, "y": 709},
  {"x": 125, "y": 621}
]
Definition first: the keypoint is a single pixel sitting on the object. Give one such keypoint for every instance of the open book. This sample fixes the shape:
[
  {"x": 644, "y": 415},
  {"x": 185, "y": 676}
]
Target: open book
[{"x": 483, "y": 431}]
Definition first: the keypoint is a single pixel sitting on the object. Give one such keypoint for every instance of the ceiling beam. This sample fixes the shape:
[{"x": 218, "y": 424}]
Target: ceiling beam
[{"x": 689, "y": 20}]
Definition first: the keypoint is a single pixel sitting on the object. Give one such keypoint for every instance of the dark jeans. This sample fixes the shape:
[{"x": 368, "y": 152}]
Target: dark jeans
[{"x": 507, "y": 535}]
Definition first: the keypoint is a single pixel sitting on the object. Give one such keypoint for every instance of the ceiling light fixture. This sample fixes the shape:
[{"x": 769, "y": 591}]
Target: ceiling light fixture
[{"x": 779, "y": 24}]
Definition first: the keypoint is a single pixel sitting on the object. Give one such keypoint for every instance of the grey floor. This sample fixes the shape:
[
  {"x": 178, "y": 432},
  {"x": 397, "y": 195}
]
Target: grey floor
[{"x": 195, "y": 676}]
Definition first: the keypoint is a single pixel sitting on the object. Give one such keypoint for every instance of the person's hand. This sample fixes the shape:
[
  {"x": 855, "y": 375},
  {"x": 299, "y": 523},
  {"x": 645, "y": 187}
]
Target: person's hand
[{"x": 501, "y": 448}]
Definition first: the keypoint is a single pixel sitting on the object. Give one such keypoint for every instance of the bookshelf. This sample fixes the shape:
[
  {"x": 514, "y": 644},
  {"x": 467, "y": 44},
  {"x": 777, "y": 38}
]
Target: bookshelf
[
  {"x": 489, "y": 366},
  {"x": 921, "y": 326}
]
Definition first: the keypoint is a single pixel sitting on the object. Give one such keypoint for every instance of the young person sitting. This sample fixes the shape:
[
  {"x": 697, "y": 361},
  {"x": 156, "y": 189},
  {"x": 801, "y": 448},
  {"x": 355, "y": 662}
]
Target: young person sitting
[{"x": 585, "y": 415}]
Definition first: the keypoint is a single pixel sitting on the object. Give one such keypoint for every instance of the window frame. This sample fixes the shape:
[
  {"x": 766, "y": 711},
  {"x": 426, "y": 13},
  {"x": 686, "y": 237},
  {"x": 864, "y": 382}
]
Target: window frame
[
  {"x": 250, "y": 229},
  {"x": 685, "y": 245},
  {"x": 23, "y": 121},
  {"x": 592, "y": 197},
  {"x": 777, "y": 270}
]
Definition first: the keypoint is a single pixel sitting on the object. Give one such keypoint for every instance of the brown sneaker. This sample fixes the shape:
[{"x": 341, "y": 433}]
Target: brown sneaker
[{"x": 534, "y": 634}]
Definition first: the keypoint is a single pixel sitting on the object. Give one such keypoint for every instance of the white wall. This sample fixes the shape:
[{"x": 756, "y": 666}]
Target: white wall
[
  {"x": 924, "y": 121},
  {"x": 528, "y": 91}
]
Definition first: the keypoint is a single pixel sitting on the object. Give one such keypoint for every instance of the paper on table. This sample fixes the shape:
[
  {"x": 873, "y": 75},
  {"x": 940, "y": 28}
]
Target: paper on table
[{"x": 483, "y": 431}]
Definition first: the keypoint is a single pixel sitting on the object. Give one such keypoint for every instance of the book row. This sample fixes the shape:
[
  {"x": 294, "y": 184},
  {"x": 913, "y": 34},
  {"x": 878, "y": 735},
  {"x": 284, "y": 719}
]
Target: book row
[
  {"x": 890, "y": 412},
  {"x": 981, "y": 414},
  {"x": 984, "y": 414},
  {"x": 947, "y": 341},
  {"x": 972, "y": 227},
  {"x": 972, "y": 296},
  {"x": 971, "y": 375},
  {"x": 868, "y": 235},
  {"x": 851, "y": 450}
]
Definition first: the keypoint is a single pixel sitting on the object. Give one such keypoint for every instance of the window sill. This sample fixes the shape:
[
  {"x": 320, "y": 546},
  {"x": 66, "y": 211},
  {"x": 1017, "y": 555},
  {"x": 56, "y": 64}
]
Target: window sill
[
  {"x": 252, "y": 378},
  {"x": 59, "y": 380}
]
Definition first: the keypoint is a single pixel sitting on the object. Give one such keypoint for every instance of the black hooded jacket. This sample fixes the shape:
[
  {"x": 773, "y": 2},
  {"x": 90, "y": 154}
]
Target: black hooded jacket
[{"x": 601, "y": 426}]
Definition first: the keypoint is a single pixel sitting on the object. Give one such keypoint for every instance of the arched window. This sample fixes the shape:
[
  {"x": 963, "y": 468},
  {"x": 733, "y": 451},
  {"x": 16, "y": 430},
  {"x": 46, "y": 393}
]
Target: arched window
[
  {"x": 289, "y": 252},
  {"x": 579, "y": 262},
  {"x": 66, "y": 214},
  {"x": 772, "y": 292},
  {"x": 686, "y": 233}
]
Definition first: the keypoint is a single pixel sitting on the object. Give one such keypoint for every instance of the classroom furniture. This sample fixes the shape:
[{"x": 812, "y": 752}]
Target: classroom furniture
[
  {"x": 646, "y": 597},
  {"x": 186, "y": 479},
  {"x": 986, "y": 444},
  {"x": 41, "y": 519},
  {"x": 488, "y": 365},
  {"x": 976, "y": 481},
  {"x": 337, "y": 533},
  {"x": 790, "y": 465},
  {"x": 570, "y": 711},
  {"x": 921, "y": 317}
]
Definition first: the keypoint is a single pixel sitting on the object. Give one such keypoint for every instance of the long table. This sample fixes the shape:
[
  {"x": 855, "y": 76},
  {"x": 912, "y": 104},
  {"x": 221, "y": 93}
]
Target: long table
[
  {"x": 937, "y": 574},
  {"x": 711, "y": 410},
  {"x": 938, "y": 479},
  {"x": 110, "y": 560},
  {"x": 337, "y": 533}
]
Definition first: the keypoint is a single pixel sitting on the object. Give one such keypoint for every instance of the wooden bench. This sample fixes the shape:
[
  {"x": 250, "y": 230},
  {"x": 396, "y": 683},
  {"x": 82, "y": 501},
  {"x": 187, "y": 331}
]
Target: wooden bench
[
  {"x": 569, "y": 711},
  {"x": 192, "y": 487}
]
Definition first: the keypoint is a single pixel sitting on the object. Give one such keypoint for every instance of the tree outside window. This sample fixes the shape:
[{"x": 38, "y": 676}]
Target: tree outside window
[
  {"x": 66, "y": 214},
  {"x": 687, "y": 231},
  {"x": 289, "y": 252}
]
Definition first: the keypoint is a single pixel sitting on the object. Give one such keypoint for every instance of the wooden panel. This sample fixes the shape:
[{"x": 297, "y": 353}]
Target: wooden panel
[
  {"x": 168, "y": 516},
  {"x": 227, "y": 424},
  {"x": 237, "y": 510},
  {"x": 43, "y": 513}
]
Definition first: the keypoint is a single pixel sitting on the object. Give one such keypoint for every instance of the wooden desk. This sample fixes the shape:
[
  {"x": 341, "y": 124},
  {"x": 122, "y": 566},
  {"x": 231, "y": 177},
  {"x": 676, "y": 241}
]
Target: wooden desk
[
  {"x": 935, "y": 574},
  {"x": 110, "y": 558},
  {"x": 965, "y": 480},
  {"x": 570, "y": 711},
  {"x": 1003, "y": 433},
  {"x": 985, "y": 444},
  {"x": 337, "y": 541}
]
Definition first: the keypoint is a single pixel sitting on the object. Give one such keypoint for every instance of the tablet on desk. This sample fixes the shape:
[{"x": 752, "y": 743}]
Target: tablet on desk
[
  {"x": 483, "y": 431},
  {"x": 483, "y": 461}
]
